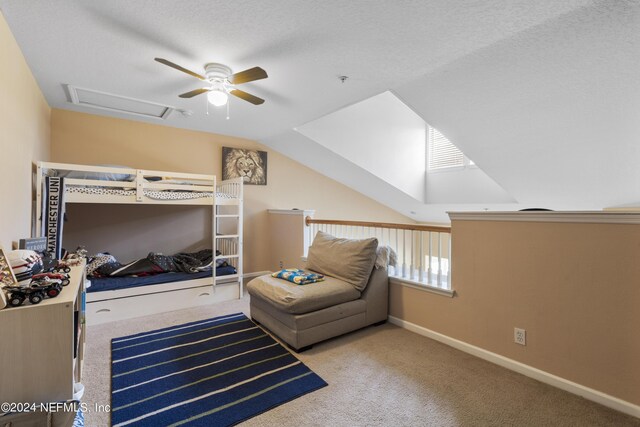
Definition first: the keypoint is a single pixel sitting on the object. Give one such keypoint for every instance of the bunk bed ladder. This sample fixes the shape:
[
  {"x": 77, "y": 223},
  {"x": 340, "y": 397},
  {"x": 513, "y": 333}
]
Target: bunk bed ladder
[
  {"x": 214, "y": 232},
  {"x": 240, "y": 247},
  {"x": 228, "y": 238}
]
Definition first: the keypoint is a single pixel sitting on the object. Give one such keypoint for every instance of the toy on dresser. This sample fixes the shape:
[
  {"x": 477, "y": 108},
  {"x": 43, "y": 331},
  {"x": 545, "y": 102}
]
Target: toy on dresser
[
  {"x": 35, "y": 292},
  {"x": 37, "y": 277}
]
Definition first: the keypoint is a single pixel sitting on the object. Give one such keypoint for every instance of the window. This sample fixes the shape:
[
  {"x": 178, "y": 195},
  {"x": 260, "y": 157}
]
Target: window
[{"x": 442, "y": 154}]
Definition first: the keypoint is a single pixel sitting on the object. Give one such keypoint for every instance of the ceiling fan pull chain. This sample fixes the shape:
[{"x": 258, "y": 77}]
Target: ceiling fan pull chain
[
  {"x": 207, "y": 108},
  {"x": 228, "y": 110}
]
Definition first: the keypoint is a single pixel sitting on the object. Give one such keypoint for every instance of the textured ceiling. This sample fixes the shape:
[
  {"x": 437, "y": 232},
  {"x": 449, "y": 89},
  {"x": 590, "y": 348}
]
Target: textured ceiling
[
  {"x": 304, "y": 46},
  {"x": 543, "y": 95},
  {"x": 552, "y": 113}
]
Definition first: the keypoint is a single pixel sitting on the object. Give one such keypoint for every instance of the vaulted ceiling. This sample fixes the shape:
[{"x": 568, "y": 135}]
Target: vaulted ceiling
[{"x": 543, "y": 95}]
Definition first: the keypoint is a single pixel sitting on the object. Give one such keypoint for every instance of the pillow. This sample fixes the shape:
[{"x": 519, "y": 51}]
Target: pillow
[{"x": 349, "y": 260}]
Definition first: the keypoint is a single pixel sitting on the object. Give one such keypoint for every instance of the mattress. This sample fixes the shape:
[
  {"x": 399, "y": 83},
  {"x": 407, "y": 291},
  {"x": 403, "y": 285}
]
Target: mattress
[
  {"x": 100, "y": 284},
  {"x": 152, "y": 194}
]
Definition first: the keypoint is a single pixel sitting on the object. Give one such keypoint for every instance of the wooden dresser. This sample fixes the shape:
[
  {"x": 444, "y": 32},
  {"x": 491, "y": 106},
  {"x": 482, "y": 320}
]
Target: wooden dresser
[{"x": 42, "y": 346}]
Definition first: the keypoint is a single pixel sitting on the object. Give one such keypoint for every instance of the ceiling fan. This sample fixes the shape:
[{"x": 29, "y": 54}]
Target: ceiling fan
[{"x": 221, "y": 82}]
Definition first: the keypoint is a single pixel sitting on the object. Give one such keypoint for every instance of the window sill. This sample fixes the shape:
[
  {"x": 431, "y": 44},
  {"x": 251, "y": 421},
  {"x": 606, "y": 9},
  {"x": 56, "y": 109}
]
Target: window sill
[
  {"x": 451, "y": 169},
  {"x": 415, "y": 285},
  {"x": 422, "y": 287}
]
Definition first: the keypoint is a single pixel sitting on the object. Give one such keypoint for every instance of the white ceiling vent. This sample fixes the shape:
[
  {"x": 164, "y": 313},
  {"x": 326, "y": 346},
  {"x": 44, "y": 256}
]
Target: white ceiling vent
[{"x": 117, "y": 103}]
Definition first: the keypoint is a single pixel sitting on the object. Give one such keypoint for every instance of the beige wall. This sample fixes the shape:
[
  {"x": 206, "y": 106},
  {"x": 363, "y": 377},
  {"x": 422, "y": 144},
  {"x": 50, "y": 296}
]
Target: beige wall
[
  {"x": 287, "y": 232},
  {"x": 575, "y": 288},
  {"x": 24, "y": 137},
  {"x": 128, "y": 231}
]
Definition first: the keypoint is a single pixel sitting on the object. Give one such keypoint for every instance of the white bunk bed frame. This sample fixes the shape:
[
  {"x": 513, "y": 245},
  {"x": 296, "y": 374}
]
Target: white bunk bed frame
[{"x": 106, "y": 306}]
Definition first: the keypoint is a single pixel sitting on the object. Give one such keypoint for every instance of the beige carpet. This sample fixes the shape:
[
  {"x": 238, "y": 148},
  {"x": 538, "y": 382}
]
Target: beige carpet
[{"x": 379, "y": 376}]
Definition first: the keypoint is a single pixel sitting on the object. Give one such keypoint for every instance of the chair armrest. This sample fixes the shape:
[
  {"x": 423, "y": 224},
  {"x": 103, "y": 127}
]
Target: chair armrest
[{"x": 376, "y": 294}]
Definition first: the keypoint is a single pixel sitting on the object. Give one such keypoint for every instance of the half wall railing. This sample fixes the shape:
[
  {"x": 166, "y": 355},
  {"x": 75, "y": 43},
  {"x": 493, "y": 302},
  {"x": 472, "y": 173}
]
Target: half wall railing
[{"x": 423, "y": 251}]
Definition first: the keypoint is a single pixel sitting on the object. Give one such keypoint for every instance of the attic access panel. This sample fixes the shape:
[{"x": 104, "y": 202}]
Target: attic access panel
[{"x": 117, "y": 103}]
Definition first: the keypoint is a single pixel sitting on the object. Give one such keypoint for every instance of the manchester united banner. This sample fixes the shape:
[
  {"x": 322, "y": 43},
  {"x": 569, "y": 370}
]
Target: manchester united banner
[{"x": 53, "y": 214}]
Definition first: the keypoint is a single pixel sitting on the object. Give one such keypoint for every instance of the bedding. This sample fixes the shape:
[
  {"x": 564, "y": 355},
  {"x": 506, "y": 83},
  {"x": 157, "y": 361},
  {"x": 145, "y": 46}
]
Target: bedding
[
  {"x": 100, "y": 284},
  {"x": 105, "y": 265},
  {"x": 153, "y": 194},
  {"x": 97, "y": 261},
  {"x": 169, "y": 181},
  {"x": 100, "y": 176}
]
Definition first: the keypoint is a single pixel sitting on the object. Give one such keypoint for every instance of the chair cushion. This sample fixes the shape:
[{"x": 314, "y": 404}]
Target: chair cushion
[
  {"x": 299, "y": 299},
  {"x": 349, "y": 260}
]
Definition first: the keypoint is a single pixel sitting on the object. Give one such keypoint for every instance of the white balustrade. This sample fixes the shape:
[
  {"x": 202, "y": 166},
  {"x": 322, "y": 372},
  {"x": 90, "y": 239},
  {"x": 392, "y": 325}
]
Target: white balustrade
[{"x": 421, "y": 257}]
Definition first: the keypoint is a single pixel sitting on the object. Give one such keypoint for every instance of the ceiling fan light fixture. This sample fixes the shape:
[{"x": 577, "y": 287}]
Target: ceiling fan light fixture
[
  {"x": 217, "y": 97},
  {"x": 222, "y": 82}
]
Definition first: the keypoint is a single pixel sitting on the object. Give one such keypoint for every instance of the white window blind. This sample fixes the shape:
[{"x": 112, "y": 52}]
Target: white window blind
[{"x": 442, "y": 153}]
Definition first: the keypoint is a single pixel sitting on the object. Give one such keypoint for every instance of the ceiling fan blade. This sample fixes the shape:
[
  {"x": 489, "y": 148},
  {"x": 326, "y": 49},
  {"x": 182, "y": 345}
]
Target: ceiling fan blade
[
  {"x": 194, "y": 93},
  {"x": 255, "y": 73},
  {"x": 247, "y": 96},
  {"x": 179, "y": 68}
]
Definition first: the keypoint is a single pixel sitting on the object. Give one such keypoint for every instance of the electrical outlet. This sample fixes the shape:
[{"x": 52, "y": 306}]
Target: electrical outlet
[
  {"x": 281, "y": 265},
  {"x": 519, "y": 336}
]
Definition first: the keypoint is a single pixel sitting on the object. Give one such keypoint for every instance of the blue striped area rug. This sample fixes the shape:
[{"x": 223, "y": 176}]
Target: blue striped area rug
[{"x": 214, "y": 372}]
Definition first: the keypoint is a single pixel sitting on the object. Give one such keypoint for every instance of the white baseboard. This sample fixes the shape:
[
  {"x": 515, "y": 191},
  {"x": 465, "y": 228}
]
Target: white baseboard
[{"x": 537, "y": 374}]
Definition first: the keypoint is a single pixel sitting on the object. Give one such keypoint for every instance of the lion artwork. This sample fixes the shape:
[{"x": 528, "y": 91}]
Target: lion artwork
[{"x": 250, "y": 165}]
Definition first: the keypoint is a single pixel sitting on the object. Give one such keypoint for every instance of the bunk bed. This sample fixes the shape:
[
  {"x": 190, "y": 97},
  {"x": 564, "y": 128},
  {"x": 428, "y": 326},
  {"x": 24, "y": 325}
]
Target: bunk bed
[{"x": 114, "y": 299}]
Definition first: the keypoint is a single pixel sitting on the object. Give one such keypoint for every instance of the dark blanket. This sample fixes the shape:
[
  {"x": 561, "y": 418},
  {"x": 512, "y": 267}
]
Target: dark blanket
[
  {"x": 114, "y": 283},
  {"x": 156, "y": 263}
]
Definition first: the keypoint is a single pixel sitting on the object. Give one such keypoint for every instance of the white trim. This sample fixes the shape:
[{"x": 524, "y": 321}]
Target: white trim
[
  {"x": 303, "y": 212},
  {"x": 98, "y": 312},
  {"x": 422, "y": 286},
  {"x": 529, "y": 371},
  {"x": 600, "y": 217},
  {"x": 445, "y": 169},
  {"x": 195, "y": 182},
  {"x": 86, "y": 168},
  {"x": 147, "y": 289}
]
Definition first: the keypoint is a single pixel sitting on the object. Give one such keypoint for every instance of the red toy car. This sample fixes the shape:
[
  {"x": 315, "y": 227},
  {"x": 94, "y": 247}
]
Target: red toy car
[
  {"x": 35, "y": 292},
  {"x": 61, "y": 278}
]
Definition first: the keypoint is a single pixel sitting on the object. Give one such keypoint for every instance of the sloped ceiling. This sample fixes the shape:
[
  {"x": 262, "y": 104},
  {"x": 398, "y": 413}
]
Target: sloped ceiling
[
  {"x": 543, "y": 95},
  {"x": 552, "y": 113},
  {"x": 381, "y": 135}
]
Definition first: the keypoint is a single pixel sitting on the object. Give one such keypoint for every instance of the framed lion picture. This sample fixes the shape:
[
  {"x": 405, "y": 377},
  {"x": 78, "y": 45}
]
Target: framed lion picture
[{"x": 250, "y": 165}]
